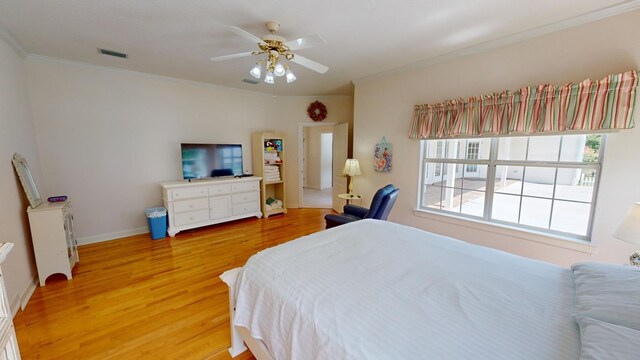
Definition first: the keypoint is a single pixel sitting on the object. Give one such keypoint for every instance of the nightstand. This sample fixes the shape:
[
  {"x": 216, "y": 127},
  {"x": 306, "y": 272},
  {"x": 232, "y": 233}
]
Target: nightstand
[{"x": 350, "y": 197}]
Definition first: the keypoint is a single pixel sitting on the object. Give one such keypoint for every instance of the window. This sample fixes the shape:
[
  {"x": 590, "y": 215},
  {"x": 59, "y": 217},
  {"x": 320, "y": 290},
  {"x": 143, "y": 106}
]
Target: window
[{"x": 546, "y": 183}]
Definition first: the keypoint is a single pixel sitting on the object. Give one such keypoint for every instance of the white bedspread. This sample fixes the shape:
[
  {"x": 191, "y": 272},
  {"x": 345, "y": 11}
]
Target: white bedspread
[{"x": 379, "y": 290}]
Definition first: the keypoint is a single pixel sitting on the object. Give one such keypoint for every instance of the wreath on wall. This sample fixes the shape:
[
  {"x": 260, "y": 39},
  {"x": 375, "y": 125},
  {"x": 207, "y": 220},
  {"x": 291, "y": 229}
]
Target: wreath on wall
[{"x": 317, "y": 111}]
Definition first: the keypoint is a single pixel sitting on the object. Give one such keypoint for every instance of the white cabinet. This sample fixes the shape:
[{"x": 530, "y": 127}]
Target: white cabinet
[
  {"x": 207, "y": 202},
  {"x": 54, "y": 242},
  {"x": 8, "y": 341}
]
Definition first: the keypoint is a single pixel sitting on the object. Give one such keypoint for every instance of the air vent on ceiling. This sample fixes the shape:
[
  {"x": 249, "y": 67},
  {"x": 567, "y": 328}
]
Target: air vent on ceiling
[
  {"x": 251, "y": 81},
  {"x": 113, "y": 53}
]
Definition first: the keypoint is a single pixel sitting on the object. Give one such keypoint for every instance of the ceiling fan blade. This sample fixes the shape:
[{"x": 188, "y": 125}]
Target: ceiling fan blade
[
  {"x": 305, "y": 42},
  {"x": 303, "y": 61},
  {"x": 245, "y": 34},
  {"x": 232, "y": 56}
]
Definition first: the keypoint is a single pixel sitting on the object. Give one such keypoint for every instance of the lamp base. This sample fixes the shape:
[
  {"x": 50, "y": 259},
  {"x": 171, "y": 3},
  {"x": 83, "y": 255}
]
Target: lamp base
[{"x": 634, "y": 259}]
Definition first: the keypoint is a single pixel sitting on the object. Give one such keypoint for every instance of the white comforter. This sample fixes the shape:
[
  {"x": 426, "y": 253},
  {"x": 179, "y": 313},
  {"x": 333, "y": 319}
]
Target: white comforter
[{"x": 378, "y": 290}]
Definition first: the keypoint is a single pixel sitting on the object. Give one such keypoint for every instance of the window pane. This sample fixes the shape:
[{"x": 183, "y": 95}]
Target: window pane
[
  {"x": 538, "y": 181},
  {"x": 512, "y": 148},
  {"x": 451, "y": 199},
  {"x": 570, "y": 217},
  {"x": 535, "y": 212},
  {"x": 580, "y": 148},
  {"x": 452, "y": 176},
  {"x": 544, "y": 148},
  {"x": 431, "y": 197},
  {"x": 434, "y": 173},
  {"x": 475, "y": 177},
  {"x": 473, "y": 203},
  {"x": 445, "y": 149},
  {"x": 509, "y": 179},
  {"x": 573, "y": 148},
  {"x": 478, "y": 149},
  {"x": 575, "y": 184},
  {"x": 505, "y": 208}
]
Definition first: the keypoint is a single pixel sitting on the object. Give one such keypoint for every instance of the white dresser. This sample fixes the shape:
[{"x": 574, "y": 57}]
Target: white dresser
[
  {"x": 54, "y": 242},
  {"x": 8, "y": 341},
  {"x": 212, "y": 201}
]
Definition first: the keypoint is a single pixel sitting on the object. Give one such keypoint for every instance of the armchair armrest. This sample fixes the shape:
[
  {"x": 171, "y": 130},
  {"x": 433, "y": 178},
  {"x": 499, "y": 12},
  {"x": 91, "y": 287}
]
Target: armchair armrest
[
  {"x": 341, "y": 219},
  {"x": 356, "y": 210}
]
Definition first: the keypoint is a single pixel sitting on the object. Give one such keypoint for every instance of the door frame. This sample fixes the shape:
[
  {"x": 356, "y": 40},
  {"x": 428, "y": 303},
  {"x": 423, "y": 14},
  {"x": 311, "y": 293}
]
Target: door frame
[{"x": 301, "y": 127}]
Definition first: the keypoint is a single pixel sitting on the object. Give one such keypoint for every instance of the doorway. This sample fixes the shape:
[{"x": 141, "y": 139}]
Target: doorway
[{"x": 317, "y": 166}]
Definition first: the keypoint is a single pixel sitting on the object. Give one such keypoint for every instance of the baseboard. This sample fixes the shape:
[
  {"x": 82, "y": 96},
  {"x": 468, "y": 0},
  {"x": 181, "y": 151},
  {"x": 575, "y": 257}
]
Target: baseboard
[
  {"x": 110, "y": 236},
  {"x": 20, "y": 300}
]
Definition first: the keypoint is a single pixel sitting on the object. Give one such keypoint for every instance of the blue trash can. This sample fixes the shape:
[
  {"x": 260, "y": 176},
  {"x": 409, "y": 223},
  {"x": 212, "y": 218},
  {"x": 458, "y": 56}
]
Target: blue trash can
[{"x": 157, "y": 220}]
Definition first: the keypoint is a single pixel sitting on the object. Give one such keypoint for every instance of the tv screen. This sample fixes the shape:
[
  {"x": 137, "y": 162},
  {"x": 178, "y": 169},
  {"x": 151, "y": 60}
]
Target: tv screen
[{"x": 211, "y": 160}]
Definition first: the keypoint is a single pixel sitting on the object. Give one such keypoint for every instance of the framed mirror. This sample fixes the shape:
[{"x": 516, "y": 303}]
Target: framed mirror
[{"x": 26, "y": 179}]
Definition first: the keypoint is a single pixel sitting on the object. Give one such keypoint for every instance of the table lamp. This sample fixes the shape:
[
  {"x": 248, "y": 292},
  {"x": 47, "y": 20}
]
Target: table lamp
[
  {"x": 351, "y": 169},
  {"x": 629, "y": 231}
]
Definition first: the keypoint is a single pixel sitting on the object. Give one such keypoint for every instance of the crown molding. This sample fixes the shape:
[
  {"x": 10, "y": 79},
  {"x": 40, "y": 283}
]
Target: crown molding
[
  {"x": 8, "y": 37},
  {"x": 509, "y": 39}
]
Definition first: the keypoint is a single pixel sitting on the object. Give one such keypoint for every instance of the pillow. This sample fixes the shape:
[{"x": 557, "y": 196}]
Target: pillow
[
  {"x": 601, "y": 340},
  {"x": 608, "y": 292}
]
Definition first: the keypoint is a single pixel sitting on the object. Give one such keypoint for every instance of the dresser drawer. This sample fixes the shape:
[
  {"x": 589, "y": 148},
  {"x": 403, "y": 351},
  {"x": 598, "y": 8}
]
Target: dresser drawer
[
  {"x": 219, "y": 189},
  {"x": 219, "y": 207},
  {"x": 188, "y": 193},
  {"x": 244, "y": 208},
  {"x": 192, "y": 217},
  {"x": 244, "y": 197},
  {"x": 190, "y": 205},
  {"x": 247, "y": 186}
]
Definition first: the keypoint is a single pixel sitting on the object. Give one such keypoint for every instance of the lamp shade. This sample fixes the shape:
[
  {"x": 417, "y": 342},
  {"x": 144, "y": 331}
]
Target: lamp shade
[
  {"x": 629, "y": 229},
  {"x": 351, "y": 167}
]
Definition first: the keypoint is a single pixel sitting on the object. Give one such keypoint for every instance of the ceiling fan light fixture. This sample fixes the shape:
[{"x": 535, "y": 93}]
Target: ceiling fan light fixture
[
  {"x": 290, "y": 76},
  {"x": 279, "y": 70},
  {"x": 256, "y": 71},
  {"x": 268, "y": 78}
]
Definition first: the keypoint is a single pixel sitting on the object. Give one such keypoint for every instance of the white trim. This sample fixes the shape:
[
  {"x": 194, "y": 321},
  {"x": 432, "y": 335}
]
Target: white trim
[
  {"x": 111, "y": 236},
  {"x": 501, "y": 229},
  {"x": 11, "y": 40},
  {"x": 510, "y": 39},
  {"x": 19, "y": 302}
]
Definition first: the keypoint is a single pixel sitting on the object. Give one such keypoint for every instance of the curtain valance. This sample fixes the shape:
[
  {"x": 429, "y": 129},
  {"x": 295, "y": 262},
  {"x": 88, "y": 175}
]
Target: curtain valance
[{"x": 602, "y": 105}]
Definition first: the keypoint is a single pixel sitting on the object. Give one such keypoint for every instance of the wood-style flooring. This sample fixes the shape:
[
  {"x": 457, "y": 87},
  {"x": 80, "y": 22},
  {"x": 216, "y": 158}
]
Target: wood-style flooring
[{"x": 136, "y": 298}]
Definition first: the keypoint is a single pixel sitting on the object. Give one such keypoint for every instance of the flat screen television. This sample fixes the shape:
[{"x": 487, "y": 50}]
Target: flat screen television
[{"x": 211, "y": 160}]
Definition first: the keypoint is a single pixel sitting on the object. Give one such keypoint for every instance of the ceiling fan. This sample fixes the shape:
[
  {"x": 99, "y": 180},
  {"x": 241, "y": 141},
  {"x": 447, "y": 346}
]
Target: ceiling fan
[{"x": 276, "y": 48}]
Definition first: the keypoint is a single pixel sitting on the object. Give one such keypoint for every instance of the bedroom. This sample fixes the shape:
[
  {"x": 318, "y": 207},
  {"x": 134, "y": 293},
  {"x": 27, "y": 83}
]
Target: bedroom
[{"x": 128, "y": 120}]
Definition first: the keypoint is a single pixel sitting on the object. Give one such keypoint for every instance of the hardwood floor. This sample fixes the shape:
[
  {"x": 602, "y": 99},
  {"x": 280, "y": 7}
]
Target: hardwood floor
[{"x": 135, "y": 298}]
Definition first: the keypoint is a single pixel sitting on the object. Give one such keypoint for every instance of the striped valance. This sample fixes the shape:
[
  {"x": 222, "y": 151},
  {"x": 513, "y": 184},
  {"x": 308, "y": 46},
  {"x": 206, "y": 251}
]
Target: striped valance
[{"x": 589, "y": 106}]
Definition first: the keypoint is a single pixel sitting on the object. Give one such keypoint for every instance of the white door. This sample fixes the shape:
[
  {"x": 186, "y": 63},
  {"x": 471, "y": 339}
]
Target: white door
[{"x": 340, "y": 152}]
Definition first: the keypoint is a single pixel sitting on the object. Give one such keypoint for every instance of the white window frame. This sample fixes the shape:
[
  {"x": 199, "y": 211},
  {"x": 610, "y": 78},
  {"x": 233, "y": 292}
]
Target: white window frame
[{"x": 492, "y": 163}]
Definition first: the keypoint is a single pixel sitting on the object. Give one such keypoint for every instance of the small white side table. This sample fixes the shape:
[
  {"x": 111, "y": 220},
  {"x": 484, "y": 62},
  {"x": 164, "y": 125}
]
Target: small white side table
[{"x": 349, "y": 197}]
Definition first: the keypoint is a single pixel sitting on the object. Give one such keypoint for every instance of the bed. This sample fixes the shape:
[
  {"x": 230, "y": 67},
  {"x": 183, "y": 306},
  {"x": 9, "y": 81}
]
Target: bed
[{"x": 378, "y": 290}]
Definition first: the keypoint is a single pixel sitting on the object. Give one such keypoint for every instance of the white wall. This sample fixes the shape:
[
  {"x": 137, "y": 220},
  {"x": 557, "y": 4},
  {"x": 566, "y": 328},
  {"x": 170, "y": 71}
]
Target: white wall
[
  {"x": 384, "y": 107},
  {"x": 326, "y": 160},
  {"x": 107, "y": 138},
  {"x": 315, "y": 157},
  {"x": 16, "y": 135}
]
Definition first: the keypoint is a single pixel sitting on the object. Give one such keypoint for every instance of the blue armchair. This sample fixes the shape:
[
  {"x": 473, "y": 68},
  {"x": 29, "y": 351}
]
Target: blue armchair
[{"x": 380, "y": 208}]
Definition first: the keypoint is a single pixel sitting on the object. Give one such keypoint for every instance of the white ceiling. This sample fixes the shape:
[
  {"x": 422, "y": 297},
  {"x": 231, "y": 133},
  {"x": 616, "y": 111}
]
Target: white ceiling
[{"x": 364, "y": 37}]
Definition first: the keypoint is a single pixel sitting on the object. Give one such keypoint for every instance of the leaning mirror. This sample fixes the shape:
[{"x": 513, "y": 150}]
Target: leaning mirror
[{"x": 28, "y": 184}]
